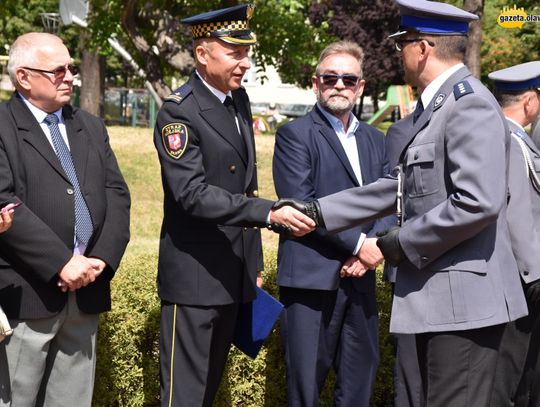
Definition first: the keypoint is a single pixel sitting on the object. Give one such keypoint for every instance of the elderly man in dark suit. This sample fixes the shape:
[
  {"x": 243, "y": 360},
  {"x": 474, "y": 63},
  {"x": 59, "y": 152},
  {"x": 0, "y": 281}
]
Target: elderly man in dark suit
[
  {"x": 330, "y": 317},
  {"x": 457, "y": 283},
  {"x": 67, "y": 237},
  {"x": 210, "y": 248}
]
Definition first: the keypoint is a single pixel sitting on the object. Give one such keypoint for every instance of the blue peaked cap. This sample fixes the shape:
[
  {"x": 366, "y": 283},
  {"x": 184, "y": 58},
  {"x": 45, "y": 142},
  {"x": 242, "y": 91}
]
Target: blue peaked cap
[
  {"x": 431, "y": 17},
  {"x": 518, "y": 77}
]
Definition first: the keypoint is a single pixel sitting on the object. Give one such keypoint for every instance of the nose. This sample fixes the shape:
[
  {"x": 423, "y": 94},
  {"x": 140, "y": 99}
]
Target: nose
[
  {"x": 245, "y": 63},
  {"x": 339, "y": 84},
  {"x": 68, "y": 76}
]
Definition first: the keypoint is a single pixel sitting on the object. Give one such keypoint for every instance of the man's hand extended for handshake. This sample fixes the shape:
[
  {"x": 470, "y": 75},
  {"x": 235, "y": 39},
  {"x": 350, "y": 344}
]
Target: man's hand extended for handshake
[
  {"x": 391, "y": 249},
  {"x": 294, "y": 217}
]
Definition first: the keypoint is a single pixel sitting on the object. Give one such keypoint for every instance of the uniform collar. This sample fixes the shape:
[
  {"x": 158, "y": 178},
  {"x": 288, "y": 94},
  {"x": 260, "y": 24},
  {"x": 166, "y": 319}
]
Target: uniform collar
[
  {"x": 216, "y": 92},
  {"x": 430, "y": 90}
]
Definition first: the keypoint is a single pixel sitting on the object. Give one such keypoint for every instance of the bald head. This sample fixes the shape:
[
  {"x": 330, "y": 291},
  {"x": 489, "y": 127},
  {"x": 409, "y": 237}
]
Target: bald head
[{"x": 28, "y": 49}]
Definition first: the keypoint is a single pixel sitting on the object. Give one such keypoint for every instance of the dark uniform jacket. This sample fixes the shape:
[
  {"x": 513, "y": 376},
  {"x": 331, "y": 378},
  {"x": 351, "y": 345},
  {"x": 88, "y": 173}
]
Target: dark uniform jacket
[
  {"x": 41, "y": 240},
  {"x": 210, "y": 245}
]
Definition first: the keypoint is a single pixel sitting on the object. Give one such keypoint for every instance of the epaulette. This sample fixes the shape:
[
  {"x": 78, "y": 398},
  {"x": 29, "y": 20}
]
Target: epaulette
[
  {"x": 462, "y": 88},
  {"x": 179, "y": 94}
]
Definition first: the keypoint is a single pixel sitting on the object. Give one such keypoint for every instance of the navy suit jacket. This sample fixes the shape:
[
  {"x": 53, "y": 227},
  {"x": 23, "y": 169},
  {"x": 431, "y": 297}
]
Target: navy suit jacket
[{"x": 309, "y": 163}]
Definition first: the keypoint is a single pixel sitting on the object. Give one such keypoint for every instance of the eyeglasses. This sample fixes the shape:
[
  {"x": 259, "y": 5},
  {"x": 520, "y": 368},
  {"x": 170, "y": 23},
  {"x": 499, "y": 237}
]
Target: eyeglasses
[
  {"x": 59, "y": 72},
  {"x": 399, "y": 43},
  {"x": 331, "y": 79}
]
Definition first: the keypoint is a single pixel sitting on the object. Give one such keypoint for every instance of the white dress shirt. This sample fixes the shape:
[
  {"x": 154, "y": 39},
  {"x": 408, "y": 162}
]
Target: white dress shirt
[{"x": 347, "y": 139}]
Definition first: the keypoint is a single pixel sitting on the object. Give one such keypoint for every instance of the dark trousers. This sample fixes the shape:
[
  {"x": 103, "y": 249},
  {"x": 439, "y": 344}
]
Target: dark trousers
[
  {"x": 325, "y": 328},
  {"x": 407, "y": 379},
  {"x": 511, "y": 362},
  {"x": 194, "y": 345},
  {"x": 458, "y": 368},
  {"x": 528, "y": 392}
]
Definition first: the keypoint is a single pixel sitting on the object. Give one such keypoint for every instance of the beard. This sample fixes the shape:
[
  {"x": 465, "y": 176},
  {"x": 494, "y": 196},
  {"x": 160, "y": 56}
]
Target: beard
[{"x": 335, "y": 103}]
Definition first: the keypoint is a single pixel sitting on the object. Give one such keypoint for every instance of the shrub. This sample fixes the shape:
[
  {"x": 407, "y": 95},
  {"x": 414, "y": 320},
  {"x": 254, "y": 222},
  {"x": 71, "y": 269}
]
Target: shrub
[{"x": 127, "y": 371}]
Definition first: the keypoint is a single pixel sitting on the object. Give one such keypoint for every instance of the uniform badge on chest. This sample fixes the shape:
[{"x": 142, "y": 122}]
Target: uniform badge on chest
[{"x": 175, "y": 139}]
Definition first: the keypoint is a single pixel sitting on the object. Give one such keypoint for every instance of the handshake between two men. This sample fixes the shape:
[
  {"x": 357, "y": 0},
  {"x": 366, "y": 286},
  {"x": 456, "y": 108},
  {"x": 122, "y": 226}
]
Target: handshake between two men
[{"x": 289, "y": 223}]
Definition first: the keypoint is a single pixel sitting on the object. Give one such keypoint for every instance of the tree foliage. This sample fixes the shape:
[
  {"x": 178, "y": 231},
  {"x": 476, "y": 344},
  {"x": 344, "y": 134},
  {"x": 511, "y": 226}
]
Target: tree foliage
[
  {"x": 288, "y": 40},
  {"x": 162, "y": 45},
  {"x": 291, "y": 34},
  {"x": 19, "y": 17}
]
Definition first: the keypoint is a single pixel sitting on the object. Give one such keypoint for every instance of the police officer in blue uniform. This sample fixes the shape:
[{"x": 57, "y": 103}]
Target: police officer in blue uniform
[
  {"x": 517, "y": 90},
  {"x": 457, "y": 283},
  {"x": 210, "y": 247}
]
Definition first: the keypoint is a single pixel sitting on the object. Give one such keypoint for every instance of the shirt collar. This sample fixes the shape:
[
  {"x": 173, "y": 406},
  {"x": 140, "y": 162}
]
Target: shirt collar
[
  {"x": 434, "y": 86},
  {"x": 39, "y": 114},
  {"x": 336, "y": 123},
  {"x": 216, "y": 92}
]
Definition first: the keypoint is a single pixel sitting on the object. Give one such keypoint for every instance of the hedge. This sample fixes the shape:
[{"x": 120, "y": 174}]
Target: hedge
[{"x": 127, "y": 372}]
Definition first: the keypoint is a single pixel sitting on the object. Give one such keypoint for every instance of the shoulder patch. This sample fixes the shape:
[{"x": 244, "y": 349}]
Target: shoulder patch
[
  {"x": 179, "y": 94},
  {"x": 175, "y": 139},
  {"x": 462, "y": 88}
]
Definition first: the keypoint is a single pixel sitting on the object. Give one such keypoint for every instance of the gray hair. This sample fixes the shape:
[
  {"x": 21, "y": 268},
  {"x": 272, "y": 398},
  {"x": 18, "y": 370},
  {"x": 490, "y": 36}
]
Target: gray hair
[
  {"x": 23, "y": 52},
  {"x": 342, "y": 47}
]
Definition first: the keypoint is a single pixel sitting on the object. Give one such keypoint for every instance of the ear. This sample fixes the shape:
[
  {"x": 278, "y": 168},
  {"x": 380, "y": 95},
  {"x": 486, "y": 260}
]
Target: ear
[
  {"x": 424, "y": 50},
  {"x": 315, "y": 84},
  {"x": 528, "y": 102},
  {"x": 360, "y": 88},
  {"x": 201, "y": 54},
  {"x": 531, "y": 96},
  {"x": 22, "y": 76}
]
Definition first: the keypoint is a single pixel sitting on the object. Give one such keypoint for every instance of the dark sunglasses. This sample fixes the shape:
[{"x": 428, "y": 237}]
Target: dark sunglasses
[
  {"x": 399, "y": 43},
  {"x": 59, "y": 72},
  {"x": 331, "y": 79}
]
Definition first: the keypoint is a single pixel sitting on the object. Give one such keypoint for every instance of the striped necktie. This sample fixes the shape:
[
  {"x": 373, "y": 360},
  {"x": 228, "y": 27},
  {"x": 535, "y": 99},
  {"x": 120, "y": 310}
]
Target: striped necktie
[{"x": 83, "y": 220}]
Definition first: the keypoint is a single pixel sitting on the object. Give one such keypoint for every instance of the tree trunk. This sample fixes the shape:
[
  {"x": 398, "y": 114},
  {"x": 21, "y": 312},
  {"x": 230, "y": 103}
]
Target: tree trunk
[
  {"x": 472, "y": 56},
  {"x": 91, "y": 74}
]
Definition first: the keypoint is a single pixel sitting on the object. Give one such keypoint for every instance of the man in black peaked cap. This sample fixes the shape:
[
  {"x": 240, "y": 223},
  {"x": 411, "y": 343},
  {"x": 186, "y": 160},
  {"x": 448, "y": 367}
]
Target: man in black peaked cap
[{"x": 210, "y": 248}]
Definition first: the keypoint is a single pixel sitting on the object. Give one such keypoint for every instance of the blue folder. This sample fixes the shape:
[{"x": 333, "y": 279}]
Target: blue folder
[{"x": 255, "y": 322}]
